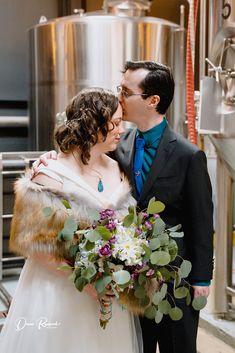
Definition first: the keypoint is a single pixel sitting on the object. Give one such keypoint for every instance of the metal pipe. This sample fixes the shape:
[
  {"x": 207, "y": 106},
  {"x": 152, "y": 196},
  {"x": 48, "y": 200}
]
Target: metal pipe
[
  {"x": 14, "y": 121},
  {"x": 202, "y": 50}
]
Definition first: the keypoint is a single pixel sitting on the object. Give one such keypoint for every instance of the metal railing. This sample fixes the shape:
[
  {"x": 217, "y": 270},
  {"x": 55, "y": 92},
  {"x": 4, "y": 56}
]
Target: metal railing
[{"x": 12, "y": 165}]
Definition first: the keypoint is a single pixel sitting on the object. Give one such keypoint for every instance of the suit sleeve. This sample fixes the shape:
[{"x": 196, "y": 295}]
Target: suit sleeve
[{"x": 198, "y": 226}]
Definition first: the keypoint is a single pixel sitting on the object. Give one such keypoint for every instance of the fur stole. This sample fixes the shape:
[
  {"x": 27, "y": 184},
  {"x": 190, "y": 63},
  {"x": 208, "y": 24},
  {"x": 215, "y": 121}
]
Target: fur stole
[{"x": 32, "y": 232}]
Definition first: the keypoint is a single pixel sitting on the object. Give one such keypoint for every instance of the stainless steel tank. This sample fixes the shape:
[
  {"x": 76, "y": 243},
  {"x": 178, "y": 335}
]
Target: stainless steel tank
[{"x": 70, "y": 53}]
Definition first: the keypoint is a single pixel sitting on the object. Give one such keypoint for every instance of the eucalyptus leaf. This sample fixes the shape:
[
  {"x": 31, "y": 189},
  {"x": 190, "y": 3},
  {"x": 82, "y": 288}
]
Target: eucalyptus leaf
[
  {"x": 150, "y": 312},
  {"x": 80, "y": 283},
  {"x": 66, "y": 204},
  {"x": 129, "y": 220},
  {"x": 88, "y": 272},
  {"x": 181, "y": 292},
  {"x": 121, "y": 277},
  {"x": 164, "y": 239},
  {"x": 73, "y": 250},
  {"x": 154, "y": 244},
  {"x": 159, "y": 226},
  {"x": 177, "y": 280},
  {"x": 165, "y": 273},
  {"x": 101, "y": 283},
  {"x": 93, "y": 214},
  {"x": 163, "y": 290},
  {"x": 140, "y": 293},
  {"x": 185, "y": 268},
  {"x": 144, "y": 301},
  {"x": 47, "y": 211},
  {"x": 175, "y": 228},
  {"x": 199, "y": 302},
  {"x": 160, "y": 258},
  {"x": 164, "y": 307},
  {"x": 176, "y": 234},
  {"x": 142, "y": 279},
  {"x": 175, "y": 313},
  {"x": 188, "y": 298},
  {"x": 89, "y": 245},
  {"x": 158, "y": 317},
  {"x": 147, "y": 250},
  {"x": 155, "y": 207},
  {"x": 92, "y": 235},
  {"x": 104, "y": 232},
  {"x": 157, "y": 297}
]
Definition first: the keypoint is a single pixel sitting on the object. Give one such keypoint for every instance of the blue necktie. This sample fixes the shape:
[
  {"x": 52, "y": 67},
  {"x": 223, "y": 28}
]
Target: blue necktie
[{"x": 138, "y": 162}]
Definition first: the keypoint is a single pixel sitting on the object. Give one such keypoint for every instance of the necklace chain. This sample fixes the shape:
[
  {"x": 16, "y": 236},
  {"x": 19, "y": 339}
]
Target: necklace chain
[{"x": 100, "y": 186}]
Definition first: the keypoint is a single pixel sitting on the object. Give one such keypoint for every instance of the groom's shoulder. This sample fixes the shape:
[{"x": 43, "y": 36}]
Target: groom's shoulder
[{"x": 183, "y": 145}]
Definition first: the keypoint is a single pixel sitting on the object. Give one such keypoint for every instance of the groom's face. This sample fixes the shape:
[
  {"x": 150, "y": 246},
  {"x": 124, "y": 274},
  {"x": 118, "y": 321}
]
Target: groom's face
[{"x": 133, "y": 104}]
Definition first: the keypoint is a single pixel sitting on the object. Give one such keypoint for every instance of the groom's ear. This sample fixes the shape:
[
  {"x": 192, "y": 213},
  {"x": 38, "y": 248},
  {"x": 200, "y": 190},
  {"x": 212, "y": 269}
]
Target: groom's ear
[{"x": 154, "y": 101}]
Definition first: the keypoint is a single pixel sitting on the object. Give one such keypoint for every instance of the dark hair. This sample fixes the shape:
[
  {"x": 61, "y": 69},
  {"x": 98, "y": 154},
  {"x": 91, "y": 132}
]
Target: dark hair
[
  {"x": 159, "y": 81},
  {"x": 88, "y": 114}
]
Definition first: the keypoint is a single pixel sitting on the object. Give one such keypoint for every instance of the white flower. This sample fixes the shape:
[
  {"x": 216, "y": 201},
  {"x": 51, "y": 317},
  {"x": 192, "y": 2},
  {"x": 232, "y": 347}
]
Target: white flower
[{"x": 128, "y": 248}]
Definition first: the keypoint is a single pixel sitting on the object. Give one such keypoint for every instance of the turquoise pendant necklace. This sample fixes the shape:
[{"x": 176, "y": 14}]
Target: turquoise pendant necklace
[{"x": 100, "y": 185}]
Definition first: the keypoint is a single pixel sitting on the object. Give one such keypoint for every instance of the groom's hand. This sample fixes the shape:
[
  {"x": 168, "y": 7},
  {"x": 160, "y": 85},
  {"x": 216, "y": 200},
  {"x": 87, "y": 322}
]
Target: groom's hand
[
  {"x": 201, "y": 291},
  {"x": 43, "y": 160}
]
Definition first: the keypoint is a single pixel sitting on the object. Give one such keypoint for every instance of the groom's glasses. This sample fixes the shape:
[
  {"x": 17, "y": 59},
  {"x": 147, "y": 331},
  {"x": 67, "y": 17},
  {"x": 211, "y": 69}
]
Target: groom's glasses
[{"x": 125, "y": 94}]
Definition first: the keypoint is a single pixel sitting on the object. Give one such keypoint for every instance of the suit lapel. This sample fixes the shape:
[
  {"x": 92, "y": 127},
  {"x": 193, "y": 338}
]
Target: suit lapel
[
  {"x": 128, "y": 157},
  {"x": 166, "y": 146}
]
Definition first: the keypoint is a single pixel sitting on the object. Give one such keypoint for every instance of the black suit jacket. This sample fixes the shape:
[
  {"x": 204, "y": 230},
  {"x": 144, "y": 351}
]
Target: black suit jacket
[{"x": 178, "y": 177}]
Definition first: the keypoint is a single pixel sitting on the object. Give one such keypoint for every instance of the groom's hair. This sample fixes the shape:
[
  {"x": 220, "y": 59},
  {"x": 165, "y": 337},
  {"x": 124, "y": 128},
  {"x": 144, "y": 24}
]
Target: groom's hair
[{"x": 159, "y": 81}]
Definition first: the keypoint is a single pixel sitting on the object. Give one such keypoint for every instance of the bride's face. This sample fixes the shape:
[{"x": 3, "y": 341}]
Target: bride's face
[{"x": 115, "y": 131}]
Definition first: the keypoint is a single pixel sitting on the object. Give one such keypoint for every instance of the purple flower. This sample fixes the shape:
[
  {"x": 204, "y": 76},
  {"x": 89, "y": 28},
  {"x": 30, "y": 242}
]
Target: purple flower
[
  {"x": 138, "y": 231},
  {"x": 113, "y": 240},
  {"x": 150, "y": 273},
  {"x": 148, "y": 225},
  {"x": 134, "y": 276},
  {"x": 145, "y": 215},
  {"x": 109, "y": 213},
  {"x": 111, "y": 225},
  {"x": 156, "y": 215},
  {"x": 105, "y": 250},
  {"x": 106, "y": 213}
]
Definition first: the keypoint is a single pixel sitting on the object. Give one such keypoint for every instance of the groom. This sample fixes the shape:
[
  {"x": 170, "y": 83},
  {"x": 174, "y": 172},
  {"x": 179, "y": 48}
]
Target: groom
[{"x": 164, "y": 165}]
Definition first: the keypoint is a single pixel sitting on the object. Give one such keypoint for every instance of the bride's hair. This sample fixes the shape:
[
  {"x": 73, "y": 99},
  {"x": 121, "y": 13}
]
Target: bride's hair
[{"x": 88, "y": 114}]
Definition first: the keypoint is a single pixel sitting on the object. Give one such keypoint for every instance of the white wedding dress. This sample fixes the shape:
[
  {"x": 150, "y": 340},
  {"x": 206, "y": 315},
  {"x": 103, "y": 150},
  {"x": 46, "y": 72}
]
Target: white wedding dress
[{"x": 49, "y": 315}]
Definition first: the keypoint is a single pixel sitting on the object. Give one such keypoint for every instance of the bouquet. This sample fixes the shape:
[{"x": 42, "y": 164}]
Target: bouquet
[{"x": 133, "y": 259}]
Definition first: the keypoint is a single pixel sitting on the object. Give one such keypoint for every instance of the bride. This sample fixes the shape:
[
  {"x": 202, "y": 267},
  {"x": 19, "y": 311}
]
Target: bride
[{"x": 48, "y": 314}]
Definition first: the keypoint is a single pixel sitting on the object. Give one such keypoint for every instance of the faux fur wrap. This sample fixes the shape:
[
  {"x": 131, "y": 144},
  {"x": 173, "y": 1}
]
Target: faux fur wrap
[{"x": 32, "y": 232}]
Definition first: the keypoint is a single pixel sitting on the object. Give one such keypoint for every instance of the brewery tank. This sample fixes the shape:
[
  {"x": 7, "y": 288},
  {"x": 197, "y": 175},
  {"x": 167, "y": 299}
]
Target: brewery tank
[{"x": 89, "y": 49}]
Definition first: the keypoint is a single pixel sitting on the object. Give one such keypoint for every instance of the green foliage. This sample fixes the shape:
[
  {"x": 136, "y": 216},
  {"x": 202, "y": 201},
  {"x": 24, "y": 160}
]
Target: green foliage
[
  {"x": 47, "y": 211},
  {"x": 88, "y": 272},
  {"x": 155, "y": 206},
  {"x": 164, "y": 307},
  {"x": 93, "y": 214},
  {"x": 150, "y": 312},
  {"x": 104, "y": 232},
  {"x": 160, "y": 258},
  {"x": 185, "y": 268},
  {"x": 121, "y": 277},
  {"x": 92, "y": 235},
  {"x": 159, "y": 226},
  {"x": 175, "y": 313},
  {"x": 199, "y": 302},
  {"x": 80, "y": 283},
  {"x": 66, "y": 204},
  {"x": 154, "y": 244},
  {"x": 181, "y": 292},
  {"x": 158, "y": 316},
  {"x": 140, "y": 292},
  {"x": 67, "y": 233},
  {"x": 101, "y": 283}
]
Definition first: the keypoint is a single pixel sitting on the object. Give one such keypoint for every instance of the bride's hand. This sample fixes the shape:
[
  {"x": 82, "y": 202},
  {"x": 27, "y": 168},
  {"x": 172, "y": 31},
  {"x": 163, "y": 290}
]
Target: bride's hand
[{"x": 43, "y": 159}]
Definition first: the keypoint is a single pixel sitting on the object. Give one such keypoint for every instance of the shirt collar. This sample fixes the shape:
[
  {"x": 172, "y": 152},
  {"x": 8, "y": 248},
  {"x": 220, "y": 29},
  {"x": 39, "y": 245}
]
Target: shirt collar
[{"x": 153, "y": 134}]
